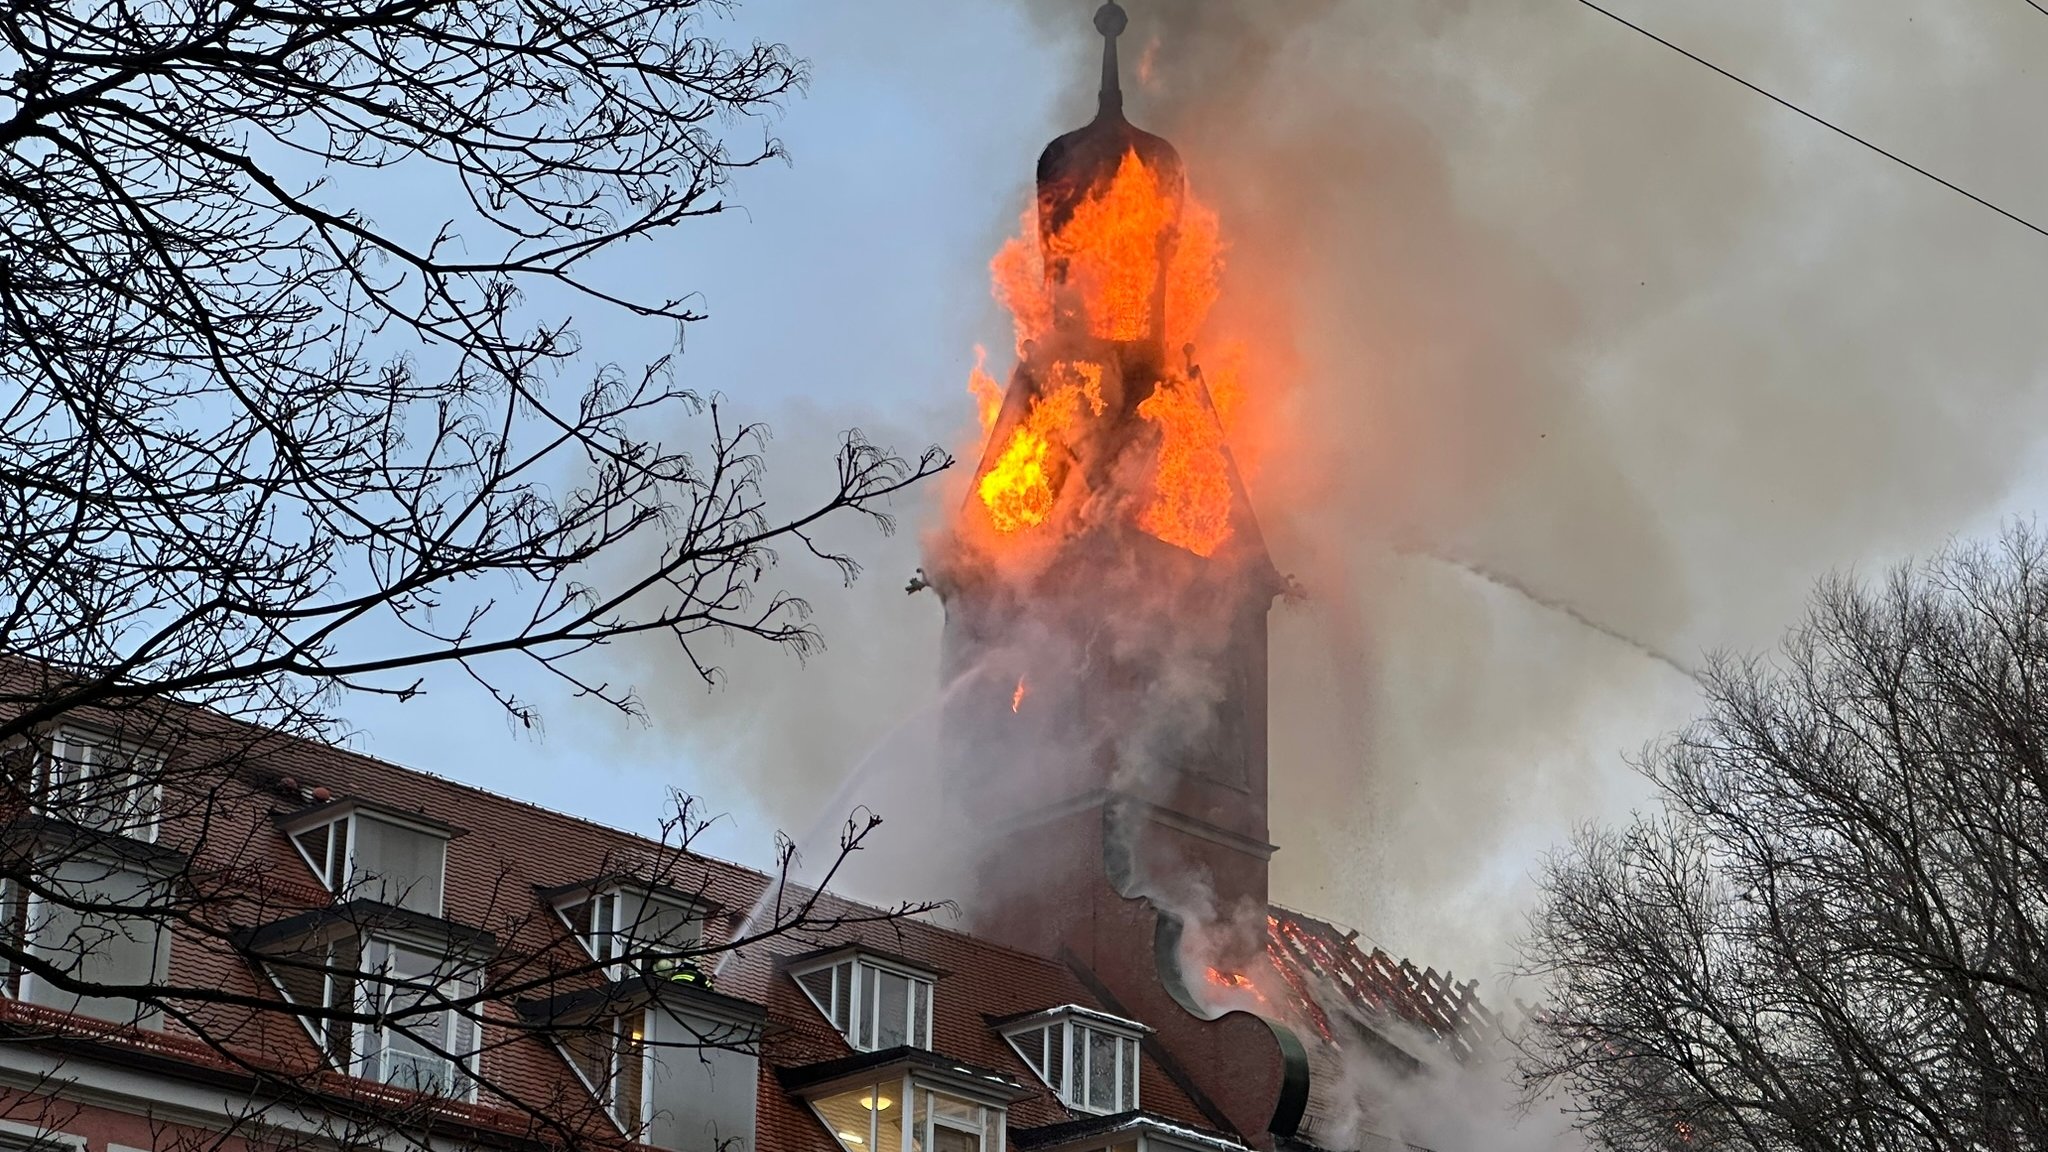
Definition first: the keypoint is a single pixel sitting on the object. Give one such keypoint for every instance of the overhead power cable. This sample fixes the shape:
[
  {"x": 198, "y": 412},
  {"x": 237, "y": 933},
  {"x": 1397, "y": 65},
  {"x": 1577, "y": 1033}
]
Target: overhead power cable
[
  {"x": 1829, "y": 125},
  {"x": 2037, "y": 7}
]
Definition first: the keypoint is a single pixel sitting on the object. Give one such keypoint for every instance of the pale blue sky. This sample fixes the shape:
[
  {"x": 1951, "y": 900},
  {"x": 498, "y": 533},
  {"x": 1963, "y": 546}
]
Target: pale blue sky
[{"x": 856, "y": 273}]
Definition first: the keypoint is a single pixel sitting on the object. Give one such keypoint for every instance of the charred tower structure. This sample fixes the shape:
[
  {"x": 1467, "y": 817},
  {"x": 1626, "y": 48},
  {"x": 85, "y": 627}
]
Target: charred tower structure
[{"x": 1105, "y": 636}]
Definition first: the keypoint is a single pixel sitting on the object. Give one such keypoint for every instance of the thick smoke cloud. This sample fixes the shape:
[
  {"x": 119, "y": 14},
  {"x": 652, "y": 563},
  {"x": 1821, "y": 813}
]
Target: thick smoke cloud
[
  {"x": 1535, "y": 298},
  {"x": 1567, "y": 308}
]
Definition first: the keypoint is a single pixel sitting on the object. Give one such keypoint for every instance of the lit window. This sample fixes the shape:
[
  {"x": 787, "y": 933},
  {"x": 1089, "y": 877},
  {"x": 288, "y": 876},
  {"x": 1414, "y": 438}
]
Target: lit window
[
  {"x": 873, "y": 1004},
  {"x": 99, "y": 783},
  {"x": 1089, "y": 1058},
  {"x": 372, "y": 856},
  {"x": 423, "y": 1036},
  {"x": 637, "y": 930},
  {"x": 871, "y": 1118}
]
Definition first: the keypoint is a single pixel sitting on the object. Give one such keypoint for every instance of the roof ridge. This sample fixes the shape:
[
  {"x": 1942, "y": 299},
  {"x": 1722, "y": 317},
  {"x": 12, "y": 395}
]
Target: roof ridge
[{"x": 382, "y": 762}]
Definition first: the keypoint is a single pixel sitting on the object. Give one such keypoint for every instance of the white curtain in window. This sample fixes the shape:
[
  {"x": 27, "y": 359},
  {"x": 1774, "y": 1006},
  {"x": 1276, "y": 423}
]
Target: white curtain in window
[
  {"x": 90, "y": 932},
  {"x": 396, "y": 865}
]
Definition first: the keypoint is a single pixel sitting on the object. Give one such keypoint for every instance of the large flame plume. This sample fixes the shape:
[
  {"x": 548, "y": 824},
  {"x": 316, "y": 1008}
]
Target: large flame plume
[{"x": 1099, "y": 272}]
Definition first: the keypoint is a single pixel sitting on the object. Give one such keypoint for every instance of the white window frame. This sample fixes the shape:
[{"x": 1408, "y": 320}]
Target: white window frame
[
  {"x": 462, "y": 1069},
  {"x": 33, "y": 1138},
  {"x": 603, "y": 941},
  {"x": 66, "y": 745},
  {"x": 863, "y": 996},
  {"x": 1060, "y": 1029},
  {"x": 607, "y": 1092},
  {"x": 324, "y": 868},
  {"x": 338, "y": 882},
  {"x": 25, "y": 932},
  {"x": 933, "y": 1122},
  {"x": 908, "y": 1088}
]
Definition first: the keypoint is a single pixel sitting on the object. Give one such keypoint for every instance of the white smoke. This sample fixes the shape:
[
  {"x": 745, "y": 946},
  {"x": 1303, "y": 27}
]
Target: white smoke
[{"x": 1559, "y": 306}]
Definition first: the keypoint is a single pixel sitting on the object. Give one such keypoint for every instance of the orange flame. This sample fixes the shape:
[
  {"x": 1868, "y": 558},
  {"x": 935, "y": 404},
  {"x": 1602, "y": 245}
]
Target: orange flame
[
  {"x": 1019, "y": 489},
  {"x": 1191, "y": 501},
  {"x": 1109, "y": 253},
  {"x": 1236, "y": 982},
  {"x": 1110, "y": 250},
  {"x": 1017, "y": 699},
  {"x": 988, "y": 395},
  {"x": 1018, "y": 272}
]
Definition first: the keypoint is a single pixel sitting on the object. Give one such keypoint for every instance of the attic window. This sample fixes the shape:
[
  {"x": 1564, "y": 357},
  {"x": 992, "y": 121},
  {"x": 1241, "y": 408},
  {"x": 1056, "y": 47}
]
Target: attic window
[
  {"x": 1090, "y": 1058},
  {"x": 422, "y": 1033},
  {"x": 875, "y": 1004},
  {"x": 634, "y": 929},
  {"x": 362, "y": 854},
  {"x": 391, "y": 995},
  {"x": 104, "y": 784},
  {"x": 874, "y": 1118}
]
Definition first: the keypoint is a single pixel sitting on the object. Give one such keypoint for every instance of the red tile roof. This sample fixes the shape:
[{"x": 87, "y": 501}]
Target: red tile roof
[{"x": 510, "y": 851}]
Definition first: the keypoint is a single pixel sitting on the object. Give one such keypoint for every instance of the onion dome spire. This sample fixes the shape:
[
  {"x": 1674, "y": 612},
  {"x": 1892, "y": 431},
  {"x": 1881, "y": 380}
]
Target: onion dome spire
[
  {"x": 1111, "y": 20},
  {"x": 1084, "y": 163}
]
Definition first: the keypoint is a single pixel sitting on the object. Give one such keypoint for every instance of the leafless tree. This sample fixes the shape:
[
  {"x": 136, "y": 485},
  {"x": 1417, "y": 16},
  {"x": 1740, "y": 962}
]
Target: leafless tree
[
  {"x": 371, "y": 1009},
  {"x": 1834, "y": 933},
  {"x": 257, "y": 447},
  {"x": 260, "y": 449}
]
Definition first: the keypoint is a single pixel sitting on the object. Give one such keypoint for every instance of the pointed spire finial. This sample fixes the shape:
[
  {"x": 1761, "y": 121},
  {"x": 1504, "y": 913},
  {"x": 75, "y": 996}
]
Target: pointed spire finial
[{"x": 1110, "y": 20}]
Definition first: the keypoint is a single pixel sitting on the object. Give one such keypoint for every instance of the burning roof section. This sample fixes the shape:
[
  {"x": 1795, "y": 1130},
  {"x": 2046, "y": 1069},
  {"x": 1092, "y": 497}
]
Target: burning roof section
[{"x": 1328, "y": 974}]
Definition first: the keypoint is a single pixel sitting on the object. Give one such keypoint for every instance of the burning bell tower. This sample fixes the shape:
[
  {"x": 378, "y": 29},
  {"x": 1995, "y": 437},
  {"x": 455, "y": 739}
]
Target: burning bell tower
[{"x": 1106, "y": 586}]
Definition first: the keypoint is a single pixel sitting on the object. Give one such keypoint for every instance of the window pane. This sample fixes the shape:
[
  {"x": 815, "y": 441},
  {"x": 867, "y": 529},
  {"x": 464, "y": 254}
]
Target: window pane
[
  {"x": 921, "y": 1032},
  {"x": 892, "y": 1010},
  {"x": 1077, "y": 1062},
  {"x": 603, "y": 926},
  {"x": 1101, "y": 1069},
  {"x": 1056, "y": 1063},
  {"x": 956, "y": 1125},
  {"x": 865, "y": 1119},
  {"x": 314, "y": 844},
  {"x": 96, "y": 784},
  {"x": 1129, "y": 1099},
  {"x": 72, "y": 934},
  {"x": 657, "y": 922},
  {"x": 819, "y": 987},
  {"x": 415, "y": 988},
  {"x": 1031, "y": 1046},
  {"x": 399, "y": 866},
  {"x": 842, "y": 1011},
  {"x": 337, "y": 856}
]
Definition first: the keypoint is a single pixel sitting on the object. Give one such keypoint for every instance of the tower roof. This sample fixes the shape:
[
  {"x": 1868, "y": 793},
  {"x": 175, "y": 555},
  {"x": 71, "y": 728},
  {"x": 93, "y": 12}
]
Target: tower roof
[{"x": 1087, "y": 158}]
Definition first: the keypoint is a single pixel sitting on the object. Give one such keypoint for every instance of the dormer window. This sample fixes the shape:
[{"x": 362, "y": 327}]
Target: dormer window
[
  {"x": 910, "y": 1101},
  {"x": 1090, "y": 1058},
  {"x": 876, "y": 1003},
  {"x": 397, "y": 991},
  {"x": 368, "y": 853},
  {"x": 104, "y": 784},
  {"x": 635, "y": 928}
]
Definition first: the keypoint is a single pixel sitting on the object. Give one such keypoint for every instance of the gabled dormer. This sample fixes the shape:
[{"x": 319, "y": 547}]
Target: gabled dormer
[
  {"x": 875, "y": 1000},
  {"x": 633, "y": 927},
  {"x": 390, "y": 994},
  {"x": 1089, "y": 1057},
  {"x": 361, "y": 850},
  {"x": 102, "y": 782}
]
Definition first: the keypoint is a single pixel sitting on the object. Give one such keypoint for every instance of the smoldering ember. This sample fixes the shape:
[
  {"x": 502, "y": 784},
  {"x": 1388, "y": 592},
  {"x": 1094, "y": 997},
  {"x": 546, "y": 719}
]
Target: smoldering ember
[{"x": 261, "y": 454}]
